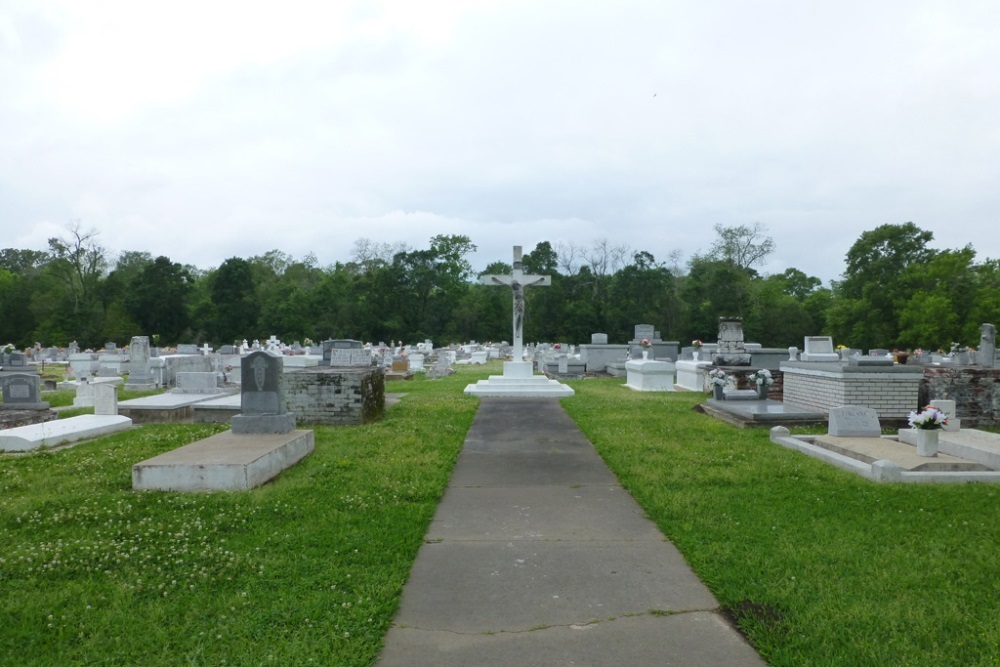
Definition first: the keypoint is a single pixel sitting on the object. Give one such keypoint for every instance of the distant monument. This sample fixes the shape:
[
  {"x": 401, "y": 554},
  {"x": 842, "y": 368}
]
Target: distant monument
[
  {"x": 518, "y": 378},
  {"x": 731, "y": 350}
]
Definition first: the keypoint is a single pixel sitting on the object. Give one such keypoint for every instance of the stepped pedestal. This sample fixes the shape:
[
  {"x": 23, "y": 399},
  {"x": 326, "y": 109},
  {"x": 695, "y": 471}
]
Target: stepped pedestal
[{"x": 518, "y": 380}]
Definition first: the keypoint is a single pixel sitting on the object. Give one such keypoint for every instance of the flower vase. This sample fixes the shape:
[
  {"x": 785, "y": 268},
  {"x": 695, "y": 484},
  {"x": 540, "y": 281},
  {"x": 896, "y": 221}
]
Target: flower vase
[
  {"x": 927, "y": 441},
  {"x": 717, "y": 392},
  {"x": 762, "y": 392},
  {"x": 645, "y": 354},
  {"x": 695, "y": 354}
]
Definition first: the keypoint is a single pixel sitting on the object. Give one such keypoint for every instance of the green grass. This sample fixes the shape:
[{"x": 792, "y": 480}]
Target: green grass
[
  {"x": 819, "y": 566},
  {"x": 306, "y": 570}
]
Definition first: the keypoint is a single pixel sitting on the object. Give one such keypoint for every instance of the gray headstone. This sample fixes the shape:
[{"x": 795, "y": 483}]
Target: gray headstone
[
  {"x": 645, "y": 331},
  {"x": 188, "y": 348},
  {"x": 987, "y": 346},
  {"x": 851, "y": 421},
  {"x": 599, "y": 339},
  {"x": 731, "y": 351},
  {"x": 350, "y": 357},
  {"x": 262, "y": 404},
  {"x": 21, "y": 391}
]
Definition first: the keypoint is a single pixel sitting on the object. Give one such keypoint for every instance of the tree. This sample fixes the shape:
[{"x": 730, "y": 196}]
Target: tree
[
  {"x": 157, "y": 300},
  {"x": 234, "y": 295},
  {"x": 743, "y": 246},
  {"x": 866, "y": 311}
]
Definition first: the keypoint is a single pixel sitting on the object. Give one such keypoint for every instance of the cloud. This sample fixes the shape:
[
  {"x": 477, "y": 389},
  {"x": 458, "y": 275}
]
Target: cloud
[{"x": 207, "y": 130}]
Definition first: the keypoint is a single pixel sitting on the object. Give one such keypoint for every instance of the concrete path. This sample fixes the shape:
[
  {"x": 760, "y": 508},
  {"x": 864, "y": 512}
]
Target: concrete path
[{"x": 536, "y": 556}]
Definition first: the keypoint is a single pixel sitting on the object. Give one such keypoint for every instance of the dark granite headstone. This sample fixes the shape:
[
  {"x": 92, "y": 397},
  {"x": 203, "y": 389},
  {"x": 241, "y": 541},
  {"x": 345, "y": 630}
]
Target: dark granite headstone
[{"x": 262, "y": 405}]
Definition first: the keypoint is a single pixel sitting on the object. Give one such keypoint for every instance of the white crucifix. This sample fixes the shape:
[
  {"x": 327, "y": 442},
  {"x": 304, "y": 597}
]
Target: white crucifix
[{"x": 517, "y": 281}]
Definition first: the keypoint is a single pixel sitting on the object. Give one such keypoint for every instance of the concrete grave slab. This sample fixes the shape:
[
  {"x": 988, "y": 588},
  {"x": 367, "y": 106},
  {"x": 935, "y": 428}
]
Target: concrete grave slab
[
  {"x": 61, "y": 432},
  {"x": 223, "y": 462}
]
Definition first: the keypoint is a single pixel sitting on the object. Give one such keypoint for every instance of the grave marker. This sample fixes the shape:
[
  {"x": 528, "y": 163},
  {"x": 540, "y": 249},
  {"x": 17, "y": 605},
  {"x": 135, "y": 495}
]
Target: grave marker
[{"x": 851, "y": 421}]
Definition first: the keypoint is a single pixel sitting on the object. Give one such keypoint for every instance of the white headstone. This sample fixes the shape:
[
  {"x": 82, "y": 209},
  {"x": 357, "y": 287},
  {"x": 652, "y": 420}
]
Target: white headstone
[
  {"x": 105, "y": 398},
  {"x": 852, "y": 421}
]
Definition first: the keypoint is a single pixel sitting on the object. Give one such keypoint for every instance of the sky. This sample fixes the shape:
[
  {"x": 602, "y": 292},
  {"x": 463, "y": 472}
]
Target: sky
[{"x": 204, "y": 130}]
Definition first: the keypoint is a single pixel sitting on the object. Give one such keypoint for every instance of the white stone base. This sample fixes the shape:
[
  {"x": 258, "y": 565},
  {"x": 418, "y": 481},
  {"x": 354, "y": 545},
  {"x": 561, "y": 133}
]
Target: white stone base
[
  {"x": 223, "y": 462},
  {"x": 61, "y": 432},
  {"x": 648, "y": 375},
  {"x": 518, "y": 380},
  {"x": 691, "y": 374}
]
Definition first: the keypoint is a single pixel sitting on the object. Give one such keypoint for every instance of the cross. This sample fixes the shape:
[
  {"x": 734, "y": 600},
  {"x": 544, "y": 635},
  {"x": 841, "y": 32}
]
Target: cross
[{"x": 517, "y": 281}]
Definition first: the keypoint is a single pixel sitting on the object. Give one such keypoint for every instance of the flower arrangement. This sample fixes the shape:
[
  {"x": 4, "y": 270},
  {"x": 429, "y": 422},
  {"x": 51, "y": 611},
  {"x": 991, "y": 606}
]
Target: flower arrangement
[
  {"x": 8, "y": 348},
  {"x": 761, "y": 377},
  {"x": 697, "y": 344},
  {"x": 930, "y": 419},
  {"x": 718, "y": 378},
  {"x": 645, "y": 343},
  {"x": 841, "y": 347}
]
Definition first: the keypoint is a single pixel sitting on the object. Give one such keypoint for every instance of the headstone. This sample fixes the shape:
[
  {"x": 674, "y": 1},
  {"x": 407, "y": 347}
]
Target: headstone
[
  {"x": 197, "y": 382},
  {"x": 74, "y": 348},
  {"x": 987, "y": 346},
  {"x": 347, "y": 357},
  {"x": 110, "y": 347},
  {"x": 84, "y": 395},
  {"x": 851, "y": 421},
  {"x": 645, "y": 332},
  {"x": 442, "y": 367},
  {"x": 262, "y": 404},
  {"x": 417, "y": 362},
  {"x": 819, "y": 348},
  {"x": 17, "y": 360},
  {"x": 105, "y": 398},
  {"x": 22, "y": 391},
  {"x": 731, "y": 350},
  {"x": 139, "y": 376},
  {"x": 188, "y": 348}
]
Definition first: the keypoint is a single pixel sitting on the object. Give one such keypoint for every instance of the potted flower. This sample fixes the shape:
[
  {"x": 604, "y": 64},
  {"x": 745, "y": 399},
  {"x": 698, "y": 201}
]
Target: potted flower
[
  {"x": 646, "y": 344},
  {"x": 697, "y": 345},
  {"x": 762, "y": 379},
  {"x": 927, "y": 424},
  {"x": 718, "y": 379}
]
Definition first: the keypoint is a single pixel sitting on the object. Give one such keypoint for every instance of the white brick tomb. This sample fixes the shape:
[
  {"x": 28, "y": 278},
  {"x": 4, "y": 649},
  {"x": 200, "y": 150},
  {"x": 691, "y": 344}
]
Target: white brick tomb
[{"x": 892, "y": 391}]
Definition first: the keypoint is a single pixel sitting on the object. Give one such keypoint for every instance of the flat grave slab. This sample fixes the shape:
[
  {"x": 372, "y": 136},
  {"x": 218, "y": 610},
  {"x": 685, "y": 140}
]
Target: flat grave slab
[
  {"x": 166, "y": 407},
  {"x": 761, "y": 413},
  {"x": 902, "y": 454},
  {"x": 61, "y": 432},
  {"x": 968, "y": 443},
  {"x": 223, "y": 462},
  {"x": 886, "y": 459}
]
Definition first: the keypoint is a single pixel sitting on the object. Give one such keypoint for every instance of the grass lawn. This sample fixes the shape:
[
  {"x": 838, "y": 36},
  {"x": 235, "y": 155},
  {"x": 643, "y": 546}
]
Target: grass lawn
[{"x": 820, "y": 566}]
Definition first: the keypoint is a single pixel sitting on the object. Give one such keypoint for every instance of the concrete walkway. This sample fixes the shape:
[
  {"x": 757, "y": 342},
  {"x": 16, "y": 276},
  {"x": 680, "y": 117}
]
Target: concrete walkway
[{"x": 536, "y": 556}]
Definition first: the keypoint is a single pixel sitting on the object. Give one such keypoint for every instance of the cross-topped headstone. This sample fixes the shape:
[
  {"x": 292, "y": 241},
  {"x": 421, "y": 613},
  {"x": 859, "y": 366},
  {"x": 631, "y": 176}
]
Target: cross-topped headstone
[{"x": 517, "y": 281}]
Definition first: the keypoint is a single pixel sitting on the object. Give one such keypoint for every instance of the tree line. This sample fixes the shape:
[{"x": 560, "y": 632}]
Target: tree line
[{"x": 895, "y": 292}]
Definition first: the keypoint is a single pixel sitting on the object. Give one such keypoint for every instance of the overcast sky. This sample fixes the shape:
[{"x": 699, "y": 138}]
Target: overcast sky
[{"x": 207, "y": 130}]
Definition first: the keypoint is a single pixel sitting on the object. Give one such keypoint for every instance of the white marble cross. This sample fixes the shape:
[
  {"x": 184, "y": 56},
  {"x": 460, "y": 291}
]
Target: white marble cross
[{"x": 517, "y": 281}]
